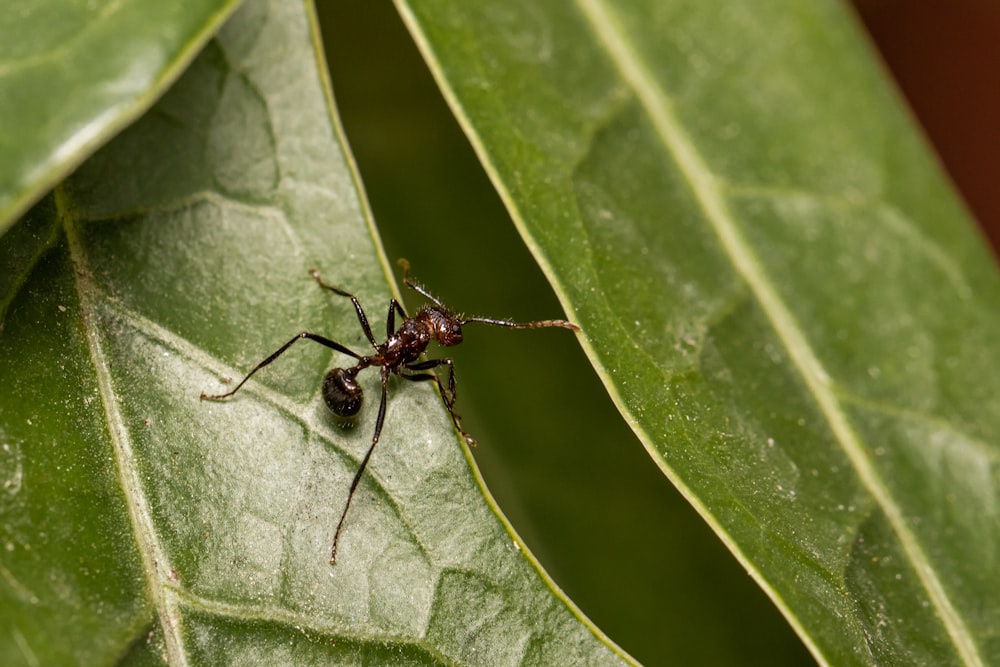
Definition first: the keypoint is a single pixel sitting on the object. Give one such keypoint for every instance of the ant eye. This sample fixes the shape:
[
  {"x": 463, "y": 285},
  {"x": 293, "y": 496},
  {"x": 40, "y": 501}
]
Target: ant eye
[{"x": 342, "y": 393}]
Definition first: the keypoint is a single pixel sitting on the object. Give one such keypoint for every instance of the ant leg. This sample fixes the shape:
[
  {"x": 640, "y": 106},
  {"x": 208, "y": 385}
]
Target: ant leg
[
  {"x": 523, "y": 325},
  {"x": 357, "y": 305},
  {"x": 415, "y": 286},
  {"x": 451, "y": 396},
  {"x": 447, "y": 397},
  {"x": 390, "y": 320},
  {"x": 305, "y": 334},
  {"x": 361, "y": 468}
]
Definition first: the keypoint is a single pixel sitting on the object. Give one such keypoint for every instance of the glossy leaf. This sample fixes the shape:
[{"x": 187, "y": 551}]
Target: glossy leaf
[
  {"x": 144, "y": 526},
  {"x": 784, "y": 298},
  {"x": 74, "y": 74}
]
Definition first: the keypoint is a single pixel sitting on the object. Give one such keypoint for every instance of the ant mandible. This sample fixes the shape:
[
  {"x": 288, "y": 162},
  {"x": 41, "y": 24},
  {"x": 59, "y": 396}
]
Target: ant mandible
[{"x": 399, "y": 355}]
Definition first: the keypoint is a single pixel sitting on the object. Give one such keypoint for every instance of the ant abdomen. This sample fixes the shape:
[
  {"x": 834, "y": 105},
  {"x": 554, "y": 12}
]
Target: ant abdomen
[{"x": 342, "y": 392}]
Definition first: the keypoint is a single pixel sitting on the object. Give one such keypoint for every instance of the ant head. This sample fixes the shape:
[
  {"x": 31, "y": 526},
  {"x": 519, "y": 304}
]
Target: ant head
[
  {"x": 447, "y": 327},
  {"x": 342, "y": 393}
]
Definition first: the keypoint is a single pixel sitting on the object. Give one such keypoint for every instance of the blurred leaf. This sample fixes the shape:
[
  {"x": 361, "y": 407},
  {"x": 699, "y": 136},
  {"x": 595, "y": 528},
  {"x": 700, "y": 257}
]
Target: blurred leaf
[
  {"x": 73, "y": 74},
  {"x": 143, "y": 526},
  {"x": 783, "y": 296}
]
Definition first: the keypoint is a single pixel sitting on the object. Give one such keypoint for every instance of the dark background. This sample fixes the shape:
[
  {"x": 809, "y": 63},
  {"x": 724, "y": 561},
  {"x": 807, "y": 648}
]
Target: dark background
[
  {"x": 568, "y": 473},
  {"x": 945, "y": 58}
]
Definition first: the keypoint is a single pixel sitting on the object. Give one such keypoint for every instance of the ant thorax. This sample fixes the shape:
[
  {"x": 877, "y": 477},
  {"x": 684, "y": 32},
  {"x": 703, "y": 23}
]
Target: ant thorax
[{"x": 408, "y": 343}]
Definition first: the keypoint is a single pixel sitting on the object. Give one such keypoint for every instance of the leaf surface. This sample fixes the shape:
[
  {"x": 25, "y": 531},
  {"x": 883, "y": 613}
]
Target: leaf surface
[
  {"x": 144, "y": 526},
  {"x": 783, "y": 297},
  {"x": 73, "y": 74}
]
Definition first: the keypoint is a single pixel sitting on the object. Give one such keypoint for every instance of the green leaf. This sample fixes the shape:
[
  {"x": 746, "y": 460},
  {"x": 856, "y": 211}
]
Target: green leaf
[
  {"x": 784, "y": 299},
  {"x": 142, "y": 525},
  {"x": 74, "y": 74}
]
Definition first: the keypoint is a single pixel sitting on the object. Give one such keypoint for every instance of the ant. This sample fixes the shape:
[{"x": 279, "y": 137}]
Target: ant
[{"x": 399, "y": 355}]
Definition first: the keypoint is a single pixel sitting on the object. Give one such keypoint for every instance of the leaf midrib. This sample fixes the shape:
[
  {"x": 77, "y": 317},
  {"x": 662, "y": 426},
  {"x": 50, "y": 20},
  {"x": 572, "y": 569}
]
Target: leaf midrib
[
  {"x": 153, "y": 558},
  {"x": 708, "y": 194}
]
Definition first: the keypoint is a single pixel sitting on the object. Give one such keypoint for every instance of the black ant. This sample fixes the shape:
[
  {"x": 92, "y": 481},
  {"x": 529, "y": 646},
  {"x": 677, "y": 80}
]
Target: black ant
[{"x": 399, "y": 354}]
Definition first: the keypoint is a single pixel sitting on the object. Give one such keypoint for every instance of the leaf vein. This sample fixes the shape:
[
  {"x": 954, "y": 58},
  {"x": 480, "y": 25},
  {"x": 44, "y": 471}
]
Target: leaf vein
[
  {"x": 302, "y": 622},
  {"x": 152, "y": 556}
]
